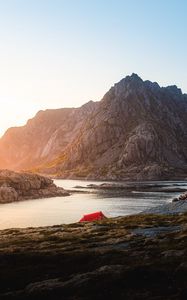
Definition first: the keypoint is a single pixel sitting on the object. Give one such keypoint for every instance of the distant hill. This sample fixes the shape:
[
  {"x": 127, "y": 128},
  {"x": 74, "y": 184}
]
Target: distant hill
[{"x": 137, "y": 131}]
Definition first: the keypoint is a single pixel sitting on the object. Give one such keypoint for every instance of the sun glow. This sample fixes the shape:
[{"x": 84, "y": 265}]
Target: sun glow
[
  {"x": 64, "y": 53},
  {"x": 15, "y": 113}
]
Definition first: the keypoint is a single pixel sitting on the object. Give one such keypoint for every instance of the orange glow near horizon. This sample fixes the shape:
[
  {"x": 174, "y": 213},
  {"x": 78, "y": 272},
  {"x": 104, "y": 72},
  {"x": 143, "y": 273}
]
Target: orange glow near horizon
[
  {"x": 58, "y": 53},
  {"x": 15, "y": 113}
]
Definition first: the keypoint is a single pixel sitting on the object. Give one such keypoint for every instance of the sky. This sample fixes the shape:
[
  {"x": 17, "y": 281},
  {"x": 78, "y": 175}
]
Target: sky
[{"x": 63, "y": 53}]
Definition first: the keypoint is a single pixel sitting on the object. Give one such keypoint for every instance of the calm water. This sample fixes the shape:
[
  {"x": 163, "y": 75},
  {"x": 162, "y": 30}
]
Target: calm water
[{"x": 70, "y": 209}]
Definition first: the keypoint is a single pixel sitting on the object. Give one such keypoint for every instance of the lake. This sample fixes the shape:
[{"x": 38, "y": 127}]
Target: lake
[{"x": 112, "y": 203}]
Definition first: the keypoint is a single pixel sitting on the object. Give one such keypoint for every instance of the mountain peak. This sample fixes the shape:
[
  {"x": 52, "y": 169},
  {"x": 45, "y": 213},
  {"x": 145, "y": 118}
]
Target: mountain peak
[
  {"x": 132, "y": 78},
  {"x": 128, "y": 84},
  {"x": 174, "y": 89},
  {"x": 135, "y": 76}
]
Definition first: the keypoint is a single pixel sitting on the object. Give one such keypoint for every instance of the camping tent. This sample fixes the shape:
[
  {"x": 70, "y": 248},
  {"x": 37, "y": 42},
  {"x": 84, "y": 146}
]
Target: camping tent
[{"x": 93, "y": 217}]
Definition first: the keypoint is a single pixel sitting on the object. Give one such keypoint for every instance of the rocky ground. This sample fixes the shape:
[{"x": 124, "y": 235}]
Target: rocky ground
[
  {"x": 135, "y": 257},
  {"x": 22, "y": 186},
  {"x": 178, "y": 205},
  {"x": 169, "y": 208}
]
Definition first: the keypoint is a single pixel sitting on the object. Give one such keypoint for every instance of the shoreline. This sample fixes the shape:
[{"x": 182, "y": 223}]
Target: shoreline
[
  {"x": 15, "y": 186},
  {"x": 141, "y": 254},
  {"x": 102, "y": 191},
  {"x": 168, "y": 209},
  {"x": 133, "y": 253},
  {"x": 125, "y": 179}
]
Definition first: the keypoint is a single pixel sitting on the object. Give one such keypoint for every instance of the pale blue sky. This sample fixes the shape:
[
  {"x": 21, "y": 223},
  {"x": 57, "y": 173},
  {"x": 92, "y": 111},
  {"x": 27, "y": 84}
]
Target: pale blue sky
[{"x": 64, "y": 53}]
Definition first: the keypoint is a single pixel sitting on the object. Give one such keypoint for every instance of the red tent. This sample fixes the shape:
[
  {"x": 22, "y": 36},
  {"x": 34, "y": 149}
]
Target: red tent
[{"x": 93, "y": 217}]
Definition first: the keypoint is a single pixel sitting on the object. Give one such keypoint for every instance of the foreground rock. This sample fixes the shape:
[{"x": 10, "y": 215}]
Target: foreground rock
[
  {"x": 22, "y": 186},
  {"x": 135, "y": 257}
]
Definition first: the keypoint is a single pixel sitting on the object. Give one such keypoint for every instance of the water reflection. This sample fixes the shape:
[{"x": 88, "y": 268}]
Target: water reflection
[{"x": 50, "y": 211}]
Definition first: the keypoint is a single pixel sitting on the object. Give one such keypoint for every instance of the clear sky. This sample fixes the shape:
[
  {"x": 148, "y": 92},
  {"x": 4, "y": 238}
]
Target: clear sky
[{"x": 59, "y": 53}]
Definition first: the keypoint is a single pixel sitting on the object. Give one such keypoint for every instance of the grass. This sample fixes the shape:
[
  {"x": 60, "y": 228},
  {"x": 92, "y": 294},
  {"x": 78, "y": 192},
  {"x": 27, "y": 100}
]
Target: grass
[{"x": 65, "y": 251}]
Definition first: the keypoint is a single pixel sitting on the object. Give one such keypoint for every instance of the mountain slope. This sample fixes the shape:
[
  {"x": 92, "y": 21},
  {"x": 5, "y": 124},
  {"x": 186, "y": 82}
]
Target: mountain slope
[
  {"x": 42, "y": 138},
  {"x": 137, "y": 131}
]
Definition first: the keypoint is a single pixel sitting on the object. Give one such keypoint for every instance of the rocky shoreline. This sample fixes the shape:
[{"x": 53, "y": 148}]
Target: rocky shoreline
[
  {"x": 169, "y": 208},
  {"x": 177, "y": 206},
  {"x": 23, "y": 186},
  {"x": 128, "y": 186},
  {"x": 134, "y": 257}
]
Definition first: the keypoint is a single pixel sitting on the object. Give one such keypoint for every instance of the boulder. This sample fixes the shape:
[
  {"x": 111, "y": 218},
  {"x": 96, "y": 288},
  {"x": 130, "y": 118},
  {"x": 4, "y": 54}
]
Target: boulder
[
  {"x": 8, "y": 194},
  {"x": 175, "y": 200},
  {"x": 183, "y": 196}
]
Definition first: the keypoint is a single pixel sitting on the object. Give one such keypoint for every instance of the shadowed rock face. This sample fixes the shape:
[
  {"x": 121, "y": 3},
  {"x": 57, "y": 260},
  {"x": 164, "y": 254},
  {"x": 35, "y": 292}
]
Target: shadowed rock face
[
  {"x": 137, "y": 131},
  {"x": 21, "y": 186}
]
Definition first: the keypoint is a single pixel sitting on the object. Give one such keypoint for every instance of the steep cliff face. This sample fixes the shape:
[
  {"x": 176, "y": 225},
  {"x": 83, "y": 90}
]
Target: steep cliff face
[
  {"x": 137, "y": 131},
  {"x": 42, "y": 138}
]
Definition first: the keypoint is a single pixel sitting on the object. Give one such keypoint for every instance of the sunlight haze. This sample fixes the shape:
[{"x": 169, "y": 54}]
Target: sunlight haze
[{"x": 57, "y": 54}]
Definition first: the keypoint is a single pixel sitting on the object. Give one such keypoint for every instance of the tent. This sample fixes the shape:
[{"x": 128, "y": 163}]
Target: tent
[{"x": 93, "y": 217}]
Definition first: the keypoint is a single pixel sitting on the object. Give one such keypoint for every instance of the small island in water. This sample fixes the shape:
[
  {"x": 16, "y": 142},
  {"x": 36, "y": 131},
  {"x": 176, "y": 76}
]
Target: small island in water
[{"x": 16, "y": 186}]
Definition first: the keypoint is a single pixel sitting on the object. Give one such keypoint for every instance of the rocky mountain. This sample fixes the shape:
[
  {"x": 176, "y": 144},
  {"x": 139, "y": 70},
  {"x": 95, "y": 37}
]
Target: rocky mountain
[
  {"x": 137, "y": 131},
  {"x": 42, "y": 138}
]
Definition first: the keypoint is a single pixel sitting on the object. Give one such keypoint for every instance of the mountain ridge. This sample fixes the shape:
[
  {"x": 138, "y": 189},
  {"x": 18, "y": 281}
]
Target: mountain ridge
[{"x": 138, "y": 131}]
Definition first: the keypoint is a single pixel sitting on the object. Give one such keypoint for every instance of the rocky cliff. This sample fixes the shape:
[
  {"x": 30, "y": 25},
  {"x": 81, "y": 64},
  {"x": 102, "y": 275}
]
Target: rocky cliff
[
  {"x": 22, "y": 186},
  {"x": 137, "y": 131},
  {"x": 42, "y": 138}
]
